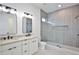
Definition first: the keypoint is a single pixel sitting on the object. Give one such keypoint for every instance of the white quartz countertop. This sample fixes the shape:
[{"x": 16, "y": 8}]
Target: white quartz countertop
[{"x": 3, "y": 42}]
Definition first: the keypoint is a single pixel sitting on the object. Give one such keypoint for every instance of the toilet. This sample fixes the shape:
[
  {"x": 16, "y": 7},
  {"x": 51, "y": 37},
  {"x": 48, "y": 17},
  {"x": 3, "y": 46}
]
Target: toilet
[{"x": 42, "y": 45}]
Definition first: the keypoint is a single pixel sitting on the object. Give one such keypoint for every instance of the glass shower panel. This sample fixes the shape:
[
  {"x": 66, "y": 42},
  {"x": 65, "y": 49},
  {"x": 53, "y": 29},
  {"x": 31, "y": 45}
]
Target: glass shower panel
[{"x": 56, "y": 34}]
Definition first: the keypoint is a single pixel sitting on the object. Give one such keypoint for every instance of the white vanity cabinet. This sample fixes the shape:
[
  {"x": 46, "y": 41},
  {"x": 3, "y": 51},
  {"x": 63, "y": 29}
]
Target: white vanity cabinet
[
  {"x": 30, "y": 46},
  {"x": 12, "y": 49},
  {"x": 24, "y": 47}
]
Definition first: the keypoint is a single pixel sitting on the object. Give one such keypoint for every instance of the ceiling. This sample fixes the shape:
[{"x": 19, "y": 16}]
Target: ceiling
[{"x": 51, "y": 7}]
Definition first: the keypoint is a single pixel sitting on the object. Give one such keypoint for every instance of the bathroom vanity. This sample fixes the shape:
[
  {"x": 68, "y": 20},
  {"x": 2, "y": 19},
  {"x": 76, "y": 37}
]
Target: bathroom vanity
[
  {"x": 19, "y": 46},
  {"x": 12, "y": 44}
]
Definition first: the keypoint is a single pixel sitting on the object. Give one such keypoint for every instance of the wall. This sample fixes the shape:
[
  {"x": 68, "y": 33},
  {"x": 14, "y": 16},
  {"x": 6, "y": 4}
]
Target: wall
[
  {"x": 44, "y": 26},
  {"x": 67, "y": 16},
  {"x": 25, "y": 7}
]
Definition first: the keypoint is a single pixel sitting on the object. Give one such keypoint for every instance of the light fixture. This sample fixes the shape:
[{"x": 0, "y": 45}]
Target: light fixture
[
  {"x": 7, "y": 9},
  {"x": 13, "y": 11},
  {"x": 4, "y": 9},
  {"x": 59, "y": 5},
  {"x": 0, "y": 6},
  {"x": 28, "y": 15},
  {"x": 43, "y": 19}
]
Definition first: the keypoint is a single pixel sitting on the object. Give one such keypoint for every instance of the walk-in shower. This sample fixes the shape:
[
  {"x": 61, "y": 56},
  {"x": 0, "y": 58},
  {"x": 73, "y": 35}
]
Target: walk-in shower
[{"x": 61, "y": 27}]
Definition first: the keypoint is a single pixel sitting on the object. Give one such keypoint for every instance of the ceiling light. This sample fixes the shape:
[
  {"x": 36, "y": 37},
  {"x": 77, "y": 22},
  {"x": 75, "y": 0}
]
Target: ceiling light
[{"x": 59, "y": 5}]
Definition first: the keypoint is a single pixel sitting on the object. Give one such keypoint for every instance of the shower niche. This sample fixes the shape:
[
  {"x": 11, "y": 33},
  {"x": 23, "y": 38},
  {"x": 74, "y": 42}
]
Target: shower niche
[{"x": 26, "y": 25}]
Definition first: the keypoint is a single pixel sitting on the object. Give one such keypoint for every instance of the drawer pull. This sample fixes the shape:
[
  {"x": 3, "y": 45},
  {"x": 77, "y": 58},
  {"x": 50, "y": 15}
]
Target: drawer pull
[{"x": 10, "y": 49}]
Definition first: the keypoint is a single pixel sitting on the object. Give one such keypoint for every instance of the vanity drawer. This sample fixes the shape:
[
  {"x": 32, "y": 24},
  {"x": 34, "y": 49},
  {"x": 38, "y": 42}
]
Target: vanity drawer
[{"x": 11, "y": 46}]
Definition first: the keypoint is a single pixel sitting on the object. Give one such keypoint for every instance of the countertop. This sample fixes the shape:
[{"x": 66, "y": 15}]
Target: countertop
[{"x": 16, "y": 39}]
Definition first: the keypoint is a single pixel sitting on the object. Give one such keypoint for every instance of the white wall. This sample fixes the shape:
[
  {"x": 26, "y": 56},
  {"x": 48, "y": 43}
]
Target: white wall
[{"x": 25, "y": 7}]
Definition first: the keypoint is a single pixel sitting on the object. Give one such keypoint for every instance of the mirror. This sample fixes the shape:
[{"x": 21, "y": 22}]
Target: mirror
[
  {"x": 27, "y": 25},
  {"x": 8, "y": 23}
]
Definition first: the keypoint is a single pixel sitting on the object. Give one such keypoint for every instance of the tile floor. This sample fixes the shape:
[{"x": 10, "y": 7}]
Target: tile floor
[{"x": 56, "y": 51}]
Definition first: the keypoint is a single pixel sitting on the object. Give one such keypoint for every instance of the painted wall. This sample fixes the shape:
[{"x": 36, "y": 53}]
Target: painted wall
[
  {"x": 67, "y": 17},
  {"x": 25, "y": 7},
  {"x": 44, "y": 26}
]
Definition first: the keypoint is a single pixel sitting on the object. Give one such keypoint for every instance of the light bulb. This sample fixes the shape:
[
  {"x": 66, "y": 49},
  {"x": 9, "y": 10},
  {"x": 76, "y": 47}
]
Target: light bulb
[
  {"x": 13, "y": 11},
  {"x": 5, "y": 10},
  {"x": 43, "y": 19},
  {"x": 29, "y": 16}
]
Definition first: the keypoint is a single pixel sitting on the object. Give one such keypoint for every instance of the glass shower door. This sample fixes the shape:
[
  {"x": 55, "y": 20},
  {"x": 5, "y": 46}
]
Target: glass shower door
[{"x": 56, "y": 34}]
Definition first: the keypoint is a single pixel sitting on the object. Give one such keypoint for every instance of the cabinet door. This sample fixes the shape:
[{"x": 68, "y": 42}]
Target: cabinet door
[
  {"x": 26, "y": 47},
  {"x": 17, "y": 50},
  {"x": 34, "y": 45},
  {"x": 12, "y": 49},
  {"x": 7, "y": 52}
]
